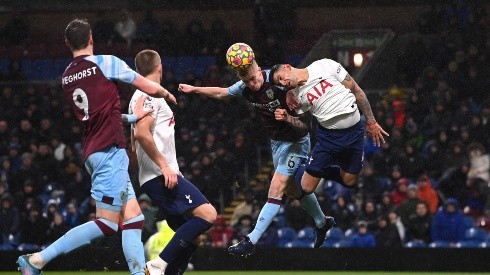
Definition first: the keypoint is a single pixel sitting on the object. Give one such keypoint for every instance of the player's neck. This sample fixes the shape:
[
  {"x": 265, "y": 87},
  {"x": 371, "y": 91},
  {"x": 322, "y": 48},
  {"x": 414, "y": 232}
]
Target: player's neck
[
  {"x": 303, "y": 76},
  {"x": 85, "y": 51},
  {"x": 155, "y": 77}
]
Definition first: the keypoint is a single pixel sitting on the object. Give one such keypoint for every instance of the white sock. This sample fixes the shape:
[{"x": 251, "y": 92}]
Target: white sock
[
  {"x": 36, "y": 260},
  {"x": 158, "y": 262}
]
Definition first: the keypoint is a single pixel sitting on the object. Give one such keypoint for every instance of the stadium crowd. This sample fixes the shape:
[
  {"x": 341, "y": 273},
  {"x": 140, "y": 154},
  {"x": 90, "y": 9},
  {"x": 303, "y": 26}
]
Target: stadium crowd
[{"x": 427, "y": 185}]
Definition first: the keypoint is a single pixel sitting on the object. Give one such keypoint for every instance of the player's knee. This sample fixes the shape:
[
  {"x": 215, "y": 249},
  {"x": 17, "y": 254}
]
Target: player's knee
[
  {"x": 206, "y": 212},
  {"x": 107, "y": 227},
  {"x": 308, "y": 189},
  {"x": 350, "y": 182}
]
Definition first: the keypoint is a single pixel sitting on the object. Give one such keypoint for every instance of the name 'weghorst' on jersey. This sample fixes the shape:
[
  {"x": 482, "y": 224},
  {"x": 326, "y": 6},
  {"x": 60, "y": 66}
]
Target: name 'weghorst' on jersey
[{"x": 266, "y": 101}]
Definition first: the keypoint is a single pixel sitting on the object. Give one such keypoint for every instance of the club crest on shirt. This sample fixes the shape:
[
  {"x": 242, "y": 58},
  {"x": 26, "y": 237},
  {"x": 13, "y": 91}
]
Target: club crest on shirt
[
  {"x": 124, "y": 195},
  {"x": 270, "y": 93}
]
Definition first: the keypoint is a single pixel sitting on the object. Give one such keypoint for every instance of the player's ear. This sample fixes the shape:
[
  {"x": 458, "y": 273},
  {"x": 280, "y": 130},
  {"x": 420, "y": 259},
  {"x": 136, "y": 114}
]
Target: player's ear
[
  {"x": 287, "y": 66},
  {"x": 91, "y": 40}
]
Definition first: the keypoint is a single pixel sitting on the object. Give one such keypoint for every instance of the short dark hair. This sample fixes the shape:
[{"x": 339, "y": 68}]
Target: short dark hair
[
  {"x": 77, "y": 34},
  {"x": 272, "y": 72},
  {"x": 146, "y": 61}
]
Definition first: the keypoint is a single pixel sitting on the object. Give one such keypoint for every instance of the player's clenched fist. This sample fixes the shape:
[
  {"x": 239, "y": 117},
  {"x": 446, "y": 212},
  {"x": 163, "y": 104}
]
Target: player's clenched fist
[
  {"x": 186, "y": 88},
  {"x": 281, "y": 114}
]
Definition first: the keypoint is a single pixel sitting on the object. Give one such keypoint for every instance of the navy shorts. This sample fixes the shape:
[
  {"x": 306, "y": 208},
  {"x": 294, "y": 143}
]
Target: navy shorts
[
  {"x": 342, "y": 147},
  {"x": 174, "y": 202}
]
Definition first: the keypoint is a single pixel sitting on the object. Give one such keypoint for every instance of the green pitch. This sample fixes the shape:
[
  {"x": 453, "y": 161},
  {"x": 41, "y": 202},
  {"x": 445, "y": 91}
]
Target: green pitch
[{"x": 259, "y": 273}]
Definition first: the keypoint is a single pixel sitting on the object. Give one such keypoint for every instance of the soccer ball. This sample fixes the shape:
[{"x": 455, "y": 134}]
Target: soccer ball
[{"x": 240, "y": 56}]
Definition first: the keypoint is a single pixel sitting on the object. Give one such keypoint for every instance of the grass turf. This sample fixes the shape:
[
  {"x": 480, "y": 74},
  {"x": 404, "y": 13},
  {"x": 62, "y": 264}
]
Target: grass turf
[{"x": 258, "y": 273}]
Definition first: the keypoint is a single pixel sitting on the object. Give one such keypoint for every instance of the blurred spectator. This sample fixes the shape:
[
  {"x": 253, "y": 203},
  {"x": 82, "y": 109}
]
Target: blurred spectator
[
  {"x": 9, "y": 217},
  {"x": 412, "y": 162},
  {"x": 343, "y": 213},
  {"x": 15, "y": 31},
  {"x": 296, "y": 216},
  {"x": 56, "y": 229},
  {"x": 195, "y": 39},
  {"x": 427, "y": 194},
  {"x": 363, "y": 238},
  {"x": 419, "y": 225},
  {"x": 452, "y": 183},
  {"x": 149, "y": 29},
  {"x": 103, "y": 28},
  {"x": 400, "y": 194},
  {"x": 34, "y": 228},
  {"x": 394, "y": 219},
  {"x": 220, "y": 235},
  {"x": 169, "y": 43},
  {"x": 218, "y": 40},
  {"x": 387, "y": 234},
  {"x": 71, "y": 216},
  {"x": 244, "y": 208},
  {"x": 242, "y": 228},
  {"x": 408, "y": 207},
  {"x": 413, "y": 60},
  {"x": 15, "y": 71},
  {"x": 157, "y": 242},
  {"x": 480, "y": 162},
  {"x": 47, "y": 163},
  {"x": 51, "y": 211},
  {"x": 125, "y": 28},
  {"x": 386, "y": 205},
  {"x": 448, "y": 223},
  {"x": 368, "y": 215}
]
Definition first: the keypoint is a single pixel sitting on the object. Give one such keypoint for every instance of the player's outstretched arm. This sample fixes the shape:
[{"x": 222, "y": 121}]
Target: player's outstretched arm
[
  {"x": 142, "y": 134},
  {"x": 214, "y": 92},
  {"x": 138, "y": 113},
  {"x": 296, "y": 122},
  {"x": 154, "y": 89},
  {"x": 373, "y": 128}
]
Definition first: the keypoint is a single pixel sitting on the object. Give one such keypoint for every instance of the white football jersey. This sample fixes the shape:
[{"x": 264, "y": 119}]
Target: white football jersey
[
  {"x": 163, "y": 133},
  {"x": 323, "y": 94}
]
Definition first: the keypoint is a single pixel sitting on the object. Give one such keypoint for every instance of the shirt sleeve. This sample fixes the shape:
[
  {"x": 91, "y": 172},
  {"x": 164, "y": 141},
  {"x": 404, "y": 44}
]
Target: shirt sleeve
[
  {"x": 113, "y": 68},
  {"x": 236, "y": 89},
  {"x": 334, "y": 68}
]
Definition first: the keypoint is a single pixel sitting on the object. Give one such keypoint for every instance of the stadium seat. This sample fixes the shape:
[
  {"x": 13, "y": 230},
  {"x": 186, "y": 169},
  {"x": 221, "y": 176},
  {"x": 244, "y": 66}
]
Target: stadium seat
[
  {"x": 299, "y": 244},
  {"x": 475, "y": 234},
  {"x": 334, "y": 236},
  {"x": 469, "y": 222},
  {"x": 307, "y": 234},
  {"x": 415, "y": 244},
  {"x": 439, "y": 244},
  {"x": 286, "y": 235},
  {"x": 469, "y": 244}
]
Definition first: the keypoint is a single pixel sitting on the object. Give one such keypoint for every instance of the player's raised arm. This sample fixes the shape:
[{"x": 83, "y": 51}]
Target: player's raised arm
[
  {"x": 138, "y": 113},
  {"x": 373, "y": 128},
  {"x": 214, "y": 92},
  {"x": 301, "y": 124},
  {"x": 152, "y": 88},
  {"x": 142, "y": 133}
]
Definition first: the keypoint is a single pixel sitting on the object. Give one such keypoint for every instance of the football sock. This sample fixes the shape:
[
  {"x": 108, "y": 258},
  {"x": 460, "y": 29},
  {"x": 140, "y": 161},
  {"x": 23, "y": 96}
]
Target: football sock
[
  {"x": 267, "y": 213},
  {"x": 311, "y": 206},
  {"x": 180, "y": 262},
  {"x": 132, "y": 245},
  {"x": 77, "y": 237},
  {"x": 184, "y": 236}
]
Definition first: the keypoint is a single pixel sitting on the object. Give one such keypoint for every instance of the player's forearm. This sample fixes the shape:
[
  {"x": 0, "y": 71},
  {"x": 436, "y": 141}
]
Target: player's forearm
[
  {"x": 297, "y": 123},
  {"x": 150, "y": 87},
  {"x": 364, "y": 106},
  {"x": 148, "y": 144},
  {"x": 214, "y": 92}
]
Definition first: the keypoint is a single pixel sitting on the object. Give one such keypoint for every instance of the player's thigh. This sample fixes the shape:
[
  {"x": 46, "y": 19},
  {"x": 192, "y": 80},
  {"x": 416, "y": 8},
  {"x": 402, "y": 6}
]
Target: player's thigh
[
  {"x": 206, "y": 212},
  {"x": 176, "y": 201},
  {"x": 288, "y": 156},
  {"x": 111, "y": 186}
]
